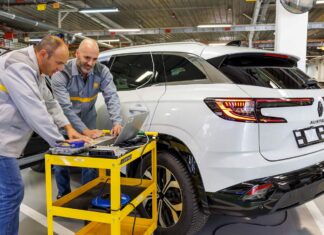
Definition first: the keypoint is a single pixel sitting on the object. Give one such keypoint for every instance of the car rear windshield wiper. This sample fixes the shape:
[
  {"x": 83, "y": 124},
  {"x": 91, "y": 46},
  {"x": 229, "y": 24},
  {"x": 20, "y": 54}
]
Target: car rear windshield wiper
[{"x": 311, "y": 84}]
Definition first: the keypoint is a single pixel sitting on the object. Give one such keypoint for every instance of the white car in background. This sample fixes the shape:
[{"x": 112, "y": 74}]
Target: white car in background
[{"x": 241, "y": 131}]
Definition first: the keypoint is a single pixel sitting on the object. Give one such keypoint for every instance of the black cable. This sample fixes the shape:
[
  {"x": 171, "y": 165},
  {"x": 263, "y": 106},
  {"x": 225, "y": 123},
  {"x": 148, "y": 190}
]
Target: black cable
[
  {"x": 101, "y": 192},
  {"x": 255, "y": 224},
  {"x": 137, "y": 146},
  {"x": 141, "y": 168},
  {"x": 133, "y": 228},
  {"x": 141, "y": 159}
]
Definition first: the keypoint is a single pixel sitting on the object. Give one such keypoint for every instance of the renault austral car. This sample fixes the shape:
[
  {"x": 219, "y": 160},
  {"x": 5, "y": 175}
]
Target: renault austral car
[{"x": 241, "y": 130}]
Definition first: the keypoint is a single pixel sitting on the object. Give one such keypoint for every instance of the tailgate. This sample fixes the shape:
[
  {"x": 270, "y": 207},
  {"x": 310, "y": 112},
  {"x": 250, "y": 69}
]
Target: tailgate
[{"x": 302, "y": 134}]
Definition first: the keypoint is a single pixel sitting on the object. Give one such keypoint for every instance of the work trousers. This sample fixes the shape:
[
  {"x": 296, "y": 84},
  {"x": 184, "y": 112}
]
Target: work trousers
[
  {"x": 11, "y": 195},
  {"x": 62, "y": 176}
]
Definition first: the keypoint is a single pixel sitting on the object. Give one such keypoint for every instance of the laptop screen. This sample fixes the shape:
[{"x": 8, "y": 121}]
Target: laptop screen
[{"x": 131, "y": 128}]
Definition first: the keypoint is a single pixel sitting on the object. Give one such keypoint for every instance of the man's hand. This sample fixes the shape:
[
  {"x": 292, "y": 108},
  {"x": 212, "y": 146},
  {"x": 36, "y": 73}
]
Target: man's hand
[
  {"x": 116, "y": 129},
  {"x": 93, "y": 133},
  {"x": 74, "y": 135}
]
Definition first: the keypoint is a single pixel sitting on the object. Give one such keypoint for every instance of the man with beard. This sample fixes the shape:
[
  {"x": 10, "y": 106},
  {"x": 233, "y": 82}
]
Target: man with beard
[{"x": 76, "y": 88}]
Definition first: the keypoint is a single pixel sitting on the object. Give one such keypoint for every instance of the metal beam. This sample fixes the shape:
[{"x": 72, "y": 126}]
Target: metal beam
[
  {"x": 61, "y": 18},
  {"x": 44, "y": 26},
  {"x": 266, "y": 4},
  {"x": 24, "y": 3},
  {"x": 237, "y": 28},
  {"x": 100, "y": 18},
  {"x": 178, "y": 30},
  {"x": 254, "y": 20},
  {"x": 270, "y": 43}
]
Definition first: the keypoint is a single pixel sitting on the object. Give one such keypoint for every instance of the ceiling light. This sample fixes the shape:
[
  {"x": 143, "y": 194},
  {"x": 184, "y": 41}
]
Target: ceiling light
[
  {"x": 98, "y": 10},
  {"x": 124, "y": 30},
  {"x": 34, "y": 40},
  {"x": 109, "y": 40},
  {"x": 320, "y": 2},
  {"x": 214, "y": 25}
]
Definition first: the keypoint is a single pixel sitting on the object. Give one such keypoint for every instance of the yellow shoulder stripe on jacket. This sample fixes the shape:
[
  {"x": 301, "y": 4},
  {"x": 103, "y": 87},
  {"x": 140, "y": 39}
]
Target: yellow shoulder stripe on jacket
[
  {"x": 83, "y": 100},
  {"x": 3, "y": 88}
]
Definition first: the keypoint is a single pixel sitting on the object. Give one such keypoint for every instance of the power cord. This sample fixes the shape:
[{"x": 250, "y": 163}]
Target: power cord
[
  {"x": 135, "y": 216},
  {"x": 141, "y": 159},
  {"x": 102, "y": 188},
  {"x": 141, "y": 168},
  {"x": 133, "y": 229},
  {"x": 137, "y": 146},
  {"x": 255, "y": 224}
]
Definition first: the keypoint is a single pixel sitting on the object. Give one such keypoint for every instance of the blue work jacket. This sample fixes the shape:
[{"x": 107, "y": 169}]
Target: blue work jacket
[{"x": 77, "y": 96}]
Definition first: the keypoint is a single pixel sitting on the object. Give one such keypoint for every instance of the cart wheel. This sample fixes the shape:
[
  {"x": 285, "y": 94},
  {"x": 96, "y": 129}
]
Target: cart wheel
[{"x": 178, "y": 210}]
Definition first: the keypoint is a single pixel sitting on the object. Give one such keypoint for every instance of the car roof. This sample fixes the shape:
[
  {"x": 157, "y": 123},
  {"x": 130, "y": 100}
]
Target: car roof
[{"x": 195, "y": 48}]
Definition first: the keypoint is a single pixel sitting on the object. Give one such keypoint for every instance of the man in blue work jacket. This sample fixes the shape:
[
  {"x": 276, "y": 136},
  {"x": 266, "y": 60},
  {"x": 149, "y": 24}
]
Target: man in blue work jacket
[
  {"x": 76, "y": 89},
  {"x": 26, "y": 105}
]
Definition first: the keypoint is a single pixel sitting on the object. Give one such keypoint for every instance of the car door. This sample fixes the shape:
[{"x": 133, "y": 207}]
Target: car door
[{"x": 139, "y": 84}]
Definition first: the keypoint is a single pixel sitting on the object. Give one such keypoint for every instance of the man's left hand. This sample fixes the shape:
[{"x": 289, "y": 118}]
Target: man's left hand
[
  {"x": 116, "y": 129},
  {"x": 73, "y": 134}
]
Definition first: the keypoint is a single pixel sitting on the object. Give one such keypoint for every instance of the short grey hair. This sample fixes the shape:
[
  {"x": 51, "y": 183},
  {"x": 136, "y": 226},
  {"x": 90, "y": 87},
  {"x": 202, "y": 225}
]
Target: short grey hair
[{"x": 49, "y": 43}]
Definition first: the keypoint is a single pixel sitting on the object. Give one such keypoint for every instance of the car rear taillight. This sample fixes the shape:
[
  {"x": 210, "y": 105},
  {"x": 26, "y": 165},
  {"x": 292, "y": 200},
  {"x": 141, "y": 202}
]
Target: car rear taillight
[
  {"x": 233, "y": 109},
  {"x": 249, "y": 110},
  {"x": 258, "y": 192}
]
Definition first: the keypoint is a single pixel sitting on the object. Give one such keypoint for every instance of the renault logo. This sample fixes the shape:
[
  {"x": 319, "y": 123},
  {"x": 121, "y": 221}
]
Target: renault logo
[{"x": 320, "y": 109}]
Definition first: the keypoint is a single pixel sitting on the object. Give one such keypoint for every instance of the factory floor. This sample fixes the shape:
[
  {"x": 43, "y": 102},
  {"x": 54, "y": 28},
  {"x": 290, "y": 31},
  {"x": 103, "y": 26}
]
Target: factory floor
[{"x": 307, "y": 219}]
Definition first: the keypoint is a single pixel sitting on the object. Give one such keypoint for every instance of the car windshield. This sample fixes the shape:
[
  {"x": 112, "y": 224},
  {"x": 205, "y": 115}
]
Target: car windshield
[{"x": 265, "y": 71}]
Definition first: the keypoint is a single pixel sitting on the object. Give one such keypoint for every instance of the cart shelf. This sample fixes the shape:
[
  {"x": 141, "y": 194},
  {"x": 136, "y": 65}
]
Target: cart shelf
[{"x": 117, "y": 221}]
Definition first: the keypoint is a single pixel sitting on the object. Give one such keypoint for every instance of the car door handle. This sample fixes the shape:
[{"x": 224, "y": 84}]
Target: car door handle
[{"x": 137, "y": 108}]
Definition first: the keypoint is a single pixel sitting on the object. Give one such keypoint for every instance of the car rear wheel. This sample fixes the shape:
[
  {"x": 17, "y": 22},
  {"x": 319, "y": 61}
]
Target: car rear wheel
[{"x": 178, "y": 209}]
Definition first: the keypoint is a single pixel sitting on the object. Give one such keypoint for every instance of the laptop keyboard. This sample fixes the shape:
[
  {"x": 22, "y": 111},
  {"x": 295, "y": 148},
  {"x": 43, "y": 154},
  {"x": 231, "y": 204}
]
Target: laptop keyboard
[{"x": 104, "y": 140}]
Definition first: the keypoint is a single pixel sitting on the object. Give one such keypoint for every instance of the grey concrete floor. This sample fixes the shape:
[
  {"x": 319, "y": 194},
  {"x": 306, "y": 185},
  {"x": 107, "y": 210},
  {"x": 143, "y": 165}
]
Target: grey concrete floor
[{"x": 307, "y": 219}]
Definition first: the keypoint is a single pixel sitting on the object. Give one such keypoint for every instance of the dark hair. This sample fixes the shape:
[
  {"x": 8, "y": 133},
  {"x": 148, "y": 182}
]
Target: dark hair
[{"x": 49, "y": 43}]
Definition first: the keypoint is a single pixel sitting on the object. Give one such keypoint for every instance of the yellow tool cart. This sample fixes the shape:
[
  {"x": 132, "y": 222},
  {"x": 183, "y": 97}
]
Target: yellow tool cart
[{"x": 117, "y": 220}]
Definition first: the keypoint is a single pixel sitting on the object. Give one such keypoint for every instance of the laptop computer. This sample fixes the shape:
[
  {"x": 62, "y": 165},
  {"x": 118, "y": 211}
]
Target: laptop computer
[{"x": 129, "y": 131}]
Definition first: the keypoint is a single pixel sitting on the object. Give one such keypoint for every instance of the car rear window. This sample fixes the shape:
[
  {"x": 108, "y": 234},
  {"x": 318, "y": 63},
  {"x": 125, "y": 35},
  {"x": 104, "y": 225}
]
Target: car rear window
[{"x": 265, "y": 70}]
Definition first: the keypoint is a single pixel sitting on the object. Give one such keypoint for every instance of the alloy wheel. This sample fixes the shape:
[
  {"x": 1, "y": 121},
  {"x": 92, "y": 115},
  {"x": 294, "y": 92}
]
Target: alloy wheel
[{"x": 170, "y": 198}]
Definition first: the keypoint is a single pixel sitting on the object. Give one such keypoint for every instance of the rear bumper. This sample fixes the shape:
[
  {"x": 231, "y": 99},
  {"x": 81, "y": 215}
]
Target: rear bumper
[{"x": 289, "y": 190}]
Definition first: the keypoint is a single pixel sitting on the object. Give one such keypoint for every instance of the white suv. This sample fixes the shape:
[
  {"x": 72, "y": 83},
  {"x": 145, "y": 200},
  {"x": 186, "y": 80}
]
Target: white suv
[{"x": 241, "y": 131}]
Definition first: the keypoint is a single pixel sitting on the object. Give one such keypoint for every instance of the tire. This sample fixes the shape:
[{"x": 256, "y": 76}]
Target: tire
[
  {"x": 40, "y": 167},
  {"x": 175, "y": 190}
]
